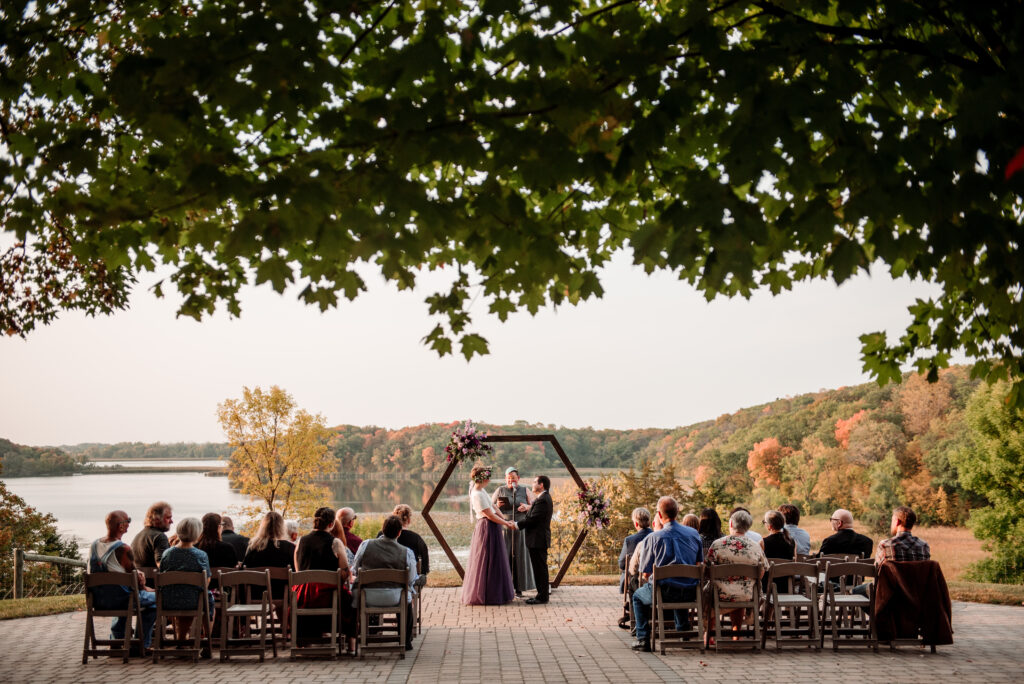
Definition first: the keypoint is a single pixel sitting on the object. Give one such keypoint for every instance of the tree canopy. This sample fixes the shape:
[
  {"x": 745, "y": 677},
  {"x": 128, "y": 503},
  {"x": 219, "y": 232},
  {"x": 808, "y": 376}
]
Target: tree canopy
[{"x": 517, "y": 146}]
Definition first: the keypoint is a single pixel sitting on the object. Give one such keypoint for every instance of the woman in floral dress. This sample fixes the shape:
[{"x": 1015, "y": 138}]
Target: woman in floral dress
[{"x": 738, "y": 549}]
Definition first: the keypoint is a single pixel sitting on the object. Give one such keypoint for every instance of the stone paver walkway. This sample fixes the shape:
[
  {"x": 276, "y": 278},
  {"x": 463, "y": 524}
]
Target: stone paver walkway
[{"x": 572, "y": 639}]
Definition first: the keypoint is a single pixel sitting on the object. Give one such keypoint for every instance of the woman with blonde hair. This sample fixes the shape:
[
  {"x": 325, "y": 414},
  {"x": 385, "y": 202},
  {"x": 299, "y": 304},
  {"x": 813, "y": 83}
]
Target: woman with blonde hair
[{"x": 269, "y": 548}]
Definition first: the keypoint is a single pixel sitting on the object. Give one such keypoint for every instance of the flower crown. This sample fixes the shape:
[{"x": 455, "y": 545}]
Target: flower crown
[{"x": 482, "y": 475}]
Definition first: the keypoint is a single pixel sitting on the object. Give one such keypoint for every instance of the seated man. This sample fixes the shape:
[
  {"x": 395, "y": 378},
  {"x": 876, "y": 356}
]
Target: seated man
[
  {"x": 348, "y": 519},
  {"x": 239, "y": 542},
  {"x": 386, "y": 553},
  {"x": 110, "y": 554},
  {"x": 799, "y": 535},
  {"x": 902, "y": 546},
  {"x": 845, "y": 540},
  {"x": 642, "y": 524},
  {"x": 673, "y": 544},
  {"x": 149, "y": 544}
]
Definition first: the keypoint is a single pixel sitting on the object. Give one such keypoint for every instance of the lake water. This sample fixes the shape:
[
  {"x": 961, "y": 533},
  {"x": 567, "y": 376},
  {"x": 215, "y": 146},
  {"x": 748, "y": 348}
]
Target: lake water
[
  {"x": 81, "y": 502},
  {"x": 163, "y": 463}
]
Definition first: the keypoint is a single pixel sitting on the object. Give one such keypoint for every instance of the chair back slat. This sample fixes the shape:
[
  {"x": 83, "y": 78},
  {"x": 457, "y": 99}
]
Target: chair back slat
[
  {"x": 780, "y": 570},
  {"x": 833, "y": 570},
  {"x": 121, "y": 579},
  {"x": 679, "y": 570},
  {"x": 191, "y": 578},
  {"x": 370, "y": 577},
  {"x": 314, "y": 576},
  {"x": 236, "y": 577},
  {"x": 723, "y": 570}
]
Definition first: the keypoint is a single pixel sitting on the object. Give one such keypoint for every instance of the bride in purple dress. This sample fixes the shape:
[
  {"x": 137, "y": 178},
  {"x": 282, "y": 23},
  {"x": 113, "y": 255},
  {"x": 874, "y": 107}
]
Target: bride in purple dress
[{"x": 488, "y": 580}]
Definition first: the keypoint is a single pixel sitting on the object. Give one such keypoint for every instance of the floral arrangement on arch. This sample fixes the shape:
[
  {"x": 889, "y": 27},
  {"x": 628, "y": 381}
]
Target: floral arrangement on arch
[
  {"x": 467, "y": 443},
  {"x": 594, "y": 508}
]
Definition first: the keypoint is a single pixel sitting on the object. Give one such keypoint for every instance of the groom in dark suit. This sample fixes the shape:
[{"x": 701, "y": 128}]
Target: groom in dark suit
[{"x": 537, "y": 527}]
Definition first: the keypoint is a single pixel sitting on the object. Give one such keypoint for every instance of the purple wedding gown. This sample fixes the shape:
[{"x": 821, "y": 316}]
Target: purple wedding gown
[{"x": 488, "y": 580}]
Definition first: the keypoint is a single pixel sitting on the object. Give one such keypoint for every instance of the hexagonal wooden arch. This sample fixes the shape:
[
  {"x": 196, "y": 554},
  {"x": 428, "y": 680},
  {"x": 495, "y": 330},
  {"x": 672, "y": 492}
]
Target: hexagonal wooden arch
[{"x": 499, "y": 439}]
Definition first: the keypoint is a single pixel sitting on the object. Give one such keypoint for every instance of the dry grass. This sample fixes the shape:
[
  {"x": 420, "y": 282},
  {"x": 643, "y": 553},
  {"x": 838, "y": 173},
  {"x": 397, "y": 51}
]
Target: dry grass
[
  {"x": 953, "y": 547},
  {"x": 11, "y": 609}
]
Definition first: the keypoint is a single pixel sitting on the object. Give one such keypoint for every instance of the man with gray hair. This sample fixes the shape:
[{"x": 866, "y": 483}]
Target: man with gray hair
[
  {"x": 348, "y": 519},
  {"x": 291, "y": 529},
  {"x": 642, "y": 524}
]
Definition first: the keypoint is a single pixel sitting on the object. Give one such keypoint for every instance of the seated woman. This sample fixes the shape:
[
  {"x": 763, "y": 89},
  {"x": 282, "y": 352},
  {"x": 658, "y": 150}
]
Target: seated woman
[
  {"x": 270, "y": 548},
  {"x": 220, "y": 553},
  {"x": 778, "y": 545},
  {"x": 710, "y": 528},
  {"x": 321, "y": 550},
  {"x": 185, "y": 558},
  {"x": 735, "y": 548}
]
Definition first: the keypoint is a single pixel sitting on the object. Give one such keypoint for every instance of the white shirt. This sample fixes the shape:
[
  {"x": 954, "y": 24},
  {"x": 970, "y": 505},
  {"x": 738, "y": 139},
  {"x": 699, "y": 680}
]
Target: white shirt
[
  {"x": 751, "y": 534},
  {"x": 480, "y": 502}
]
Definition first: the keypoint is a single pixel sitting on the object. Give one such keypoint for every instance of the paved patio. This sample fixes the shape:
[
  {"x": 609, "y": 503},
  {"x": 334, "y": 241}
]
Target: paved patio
[{"x": 572, "y": 639}]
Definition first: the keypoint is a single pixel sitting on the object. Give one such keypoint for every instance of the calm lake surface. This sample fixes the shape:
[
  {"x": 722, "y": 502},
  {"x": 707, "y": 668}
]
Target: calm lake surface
[{"x": 81, "y": 502}]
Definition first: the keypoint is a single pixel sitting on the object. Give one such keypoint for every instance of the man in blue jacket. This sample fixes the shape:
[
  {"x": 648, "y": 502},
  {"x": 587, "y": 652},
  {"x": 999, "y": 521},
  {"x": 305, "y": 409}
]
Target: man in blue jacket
[{"x": 673, "y": 544}]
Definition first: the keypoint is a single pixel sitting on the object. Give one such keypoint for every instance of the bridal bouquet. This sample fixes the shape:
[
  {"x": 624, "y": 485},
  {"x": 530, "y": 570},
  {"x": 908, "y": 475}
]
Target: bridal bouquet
[
  {"x": 594, "y": 508},
  {"x": 467, "y": 443}
]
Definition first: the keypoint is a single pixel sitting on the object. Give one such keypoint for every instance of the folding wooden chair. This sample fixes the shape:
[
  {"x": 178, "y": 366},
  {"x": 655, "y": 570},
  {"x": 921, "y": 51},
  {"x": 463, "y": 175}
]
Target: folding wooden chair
[
  {"x": 382, "y": 640},
  {"x": 131, "y": 610},
  {"x": 237, "y": 603},
  {"x": 330, "y": 581},
  {"x": 417, "y": 598},
  {"x": 692, "y": 638},
  {"x": 742, "y": 634},
  {"x": 847, "y": 616},
  {"x": 921, "y": 618},
  {"x": 777, "y": 603},
  {"x": 200, "y": 615},
  {"x": 279, "y": 623}
]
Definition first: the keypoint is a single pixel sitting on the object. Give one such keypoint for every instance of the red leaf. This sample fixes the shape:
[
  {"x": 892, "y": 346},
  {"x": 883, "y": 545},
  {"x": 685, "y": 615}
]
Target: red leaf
[{"x": 1016, "y": 164}]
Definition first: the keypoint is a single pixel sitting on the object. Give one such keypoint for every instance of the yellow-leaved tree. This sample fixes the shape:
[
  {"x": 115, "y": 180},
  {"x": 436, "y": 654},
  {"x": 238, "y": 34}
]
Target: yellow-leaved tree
[{"x": 279, "y": 450}]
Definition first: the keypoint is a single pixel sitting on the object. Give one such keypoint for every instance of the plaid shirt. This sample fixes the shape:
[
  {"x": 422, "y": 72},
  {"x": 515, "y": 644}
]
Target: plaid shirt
[{"x": 903, "y": 547}]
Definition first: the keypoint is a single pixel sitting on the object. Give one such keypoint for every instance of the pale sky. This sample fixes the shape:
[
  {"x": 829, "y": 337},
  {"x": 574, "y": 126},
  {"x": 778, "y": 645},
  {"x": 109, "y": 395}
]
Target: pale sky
[{"x": 651, "y": 353}]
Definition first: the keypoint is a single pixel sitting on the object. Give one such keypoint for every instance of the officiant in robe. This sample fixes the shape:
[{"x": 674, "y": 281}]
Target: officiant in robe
[{"x": 507, "y": 499}]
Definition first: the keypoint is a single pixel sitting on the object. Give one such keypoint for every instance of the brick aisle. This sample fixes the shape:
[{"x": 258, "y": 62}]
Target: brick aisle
[{"x": 572, "y": 639}]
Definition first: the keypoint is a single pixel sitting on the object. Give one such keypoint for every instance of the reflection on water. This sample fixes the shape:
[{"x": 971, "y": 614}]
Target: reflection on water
[{"x": 367, "y": 496}]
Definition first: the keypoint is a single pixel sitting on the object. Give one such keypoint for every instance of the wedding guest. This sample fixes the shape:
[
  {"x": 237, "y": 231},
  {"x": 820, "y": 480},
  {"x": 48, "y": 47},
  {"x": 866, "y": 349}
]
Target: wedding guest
[
  {"x": 270, "y": 548},
  {"x": 751, "y": 534},
  {"x": 220, "y": 554},
  {"x": 902, "y": 546},
  {"x": 185, "y": 558},
  {"x": 348, "y": 519},
  {"x": 777, "y": 544},
  {"x": 691, "y": 520},
  {"x": 412, "y": 540},
  {"x": 111, "y": 554},
  {"x": 673, "y": 544},
  {"x": 239, "y": 542},
  {"x": 340, "y": 544},
  {"x": 845, "y": 541},
  {"x": 710, "y": 528},
  {"x": 149, "y": 544},
  {"x": 320, "y": 550},
  {"x": 641, "y": 518},
  {"x": 737, "y": 548},
  {"x": 385, "y": 552},
  {"x": 799, "y": 535},
  {"x": 292, "y": 530}
]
